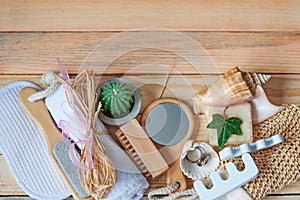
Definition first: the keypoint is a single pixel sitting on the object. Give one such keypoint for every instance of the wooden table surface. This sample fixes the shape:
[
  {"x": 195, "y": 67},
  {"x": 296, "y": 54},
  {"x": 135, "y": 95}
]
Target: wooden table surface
[{"x": 258, "y": 36}]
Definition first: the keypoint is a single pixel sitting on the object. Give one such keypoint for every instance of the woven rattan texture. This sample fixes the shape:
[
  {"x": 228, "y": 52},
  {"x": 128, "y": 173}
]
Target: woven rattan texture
[{"x": 279, "y": 165}]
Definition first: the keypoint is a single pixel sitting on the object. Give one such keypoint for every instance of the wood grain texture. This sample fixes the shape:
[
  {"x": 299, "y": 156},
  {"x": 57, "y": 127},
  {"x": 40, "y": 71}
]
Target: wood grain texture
[
  {"x": 36, "y": 53},
  {"x": 281, "y": 88},
  {"x": 192, "y": 15},
  {"x": 175, "y": 175},
  {"x": 257, "y": 36}
]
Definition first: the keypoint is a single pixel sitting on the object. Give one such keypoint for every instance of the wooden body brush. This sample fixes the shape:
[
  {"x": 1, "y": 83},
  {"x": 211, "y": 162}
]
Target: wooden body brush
[
  {"x": 57, "y": 146},
  {"x": 141, "y": 149}
]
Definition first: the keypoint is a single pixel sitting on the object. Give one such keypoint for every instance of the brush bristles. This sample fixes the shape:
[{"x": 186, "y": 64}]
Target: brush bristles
[{"x": 132, "y": 153}]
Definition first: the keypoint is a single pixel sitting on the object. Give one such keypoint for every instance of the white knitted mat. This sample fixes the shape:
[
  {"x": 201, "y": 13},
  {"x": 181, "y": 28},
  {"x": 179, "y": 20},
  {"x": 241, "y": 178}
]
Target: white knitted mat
[{"x": 25, "y": 149}]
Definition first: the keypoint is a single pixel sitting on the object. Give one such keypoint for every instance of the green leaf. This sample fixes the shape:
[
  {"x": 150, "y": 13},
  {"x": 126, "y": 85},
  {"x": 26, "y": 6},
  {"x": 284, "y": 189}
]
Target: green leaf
[
  {"x": 225, "y": 128},
  {"x": 235, "y": 123},
  {"x": 217, "y": 122}
]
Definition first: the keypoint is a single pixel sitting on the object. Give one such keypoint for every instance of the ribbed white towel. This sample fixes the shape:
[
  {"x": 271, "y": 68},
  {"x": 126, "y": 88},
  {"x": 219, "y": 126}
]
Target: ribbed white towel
[{"x": 25, "y": 149}]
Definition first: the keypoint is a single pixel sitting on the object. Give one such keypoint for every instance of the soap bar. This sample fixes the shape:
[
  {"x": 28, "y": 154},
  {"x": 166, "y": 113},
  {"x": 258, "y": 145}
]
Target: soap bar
[{"x": 241, "y": 111}]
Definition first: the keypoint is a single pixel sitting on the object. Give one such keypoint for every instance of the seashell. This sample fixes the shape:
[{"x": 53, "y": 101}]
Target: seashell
[
  {"x": 261, "y": 78},
  {"x": 262, "y": 108},
  {"x": 198, "y": 159},
  {"x": 233, "y": 88},
  {"x": 254, "y": 79}
]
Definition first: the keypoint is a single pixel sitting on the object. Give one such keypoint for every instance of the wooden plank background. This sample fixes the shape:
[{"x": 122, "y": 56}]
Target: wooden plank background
[
  {"x": 267, "y": 52},
  {"x": 191, "y": 15},
  {"x": 258, "y": 36}
]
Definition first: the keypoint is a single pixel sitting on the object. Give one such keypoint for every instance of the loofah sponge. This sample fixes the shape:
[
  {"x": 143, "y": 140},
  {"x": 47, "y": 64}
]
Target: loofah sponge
[{"x": 278, "y": 165}]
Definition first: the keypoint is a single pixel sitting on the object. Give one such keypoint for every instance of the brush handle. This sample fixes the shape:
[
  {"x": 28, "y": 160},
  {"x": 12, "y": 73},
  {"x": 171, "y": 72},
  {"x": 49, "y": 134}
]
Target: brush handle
[
  {"x": 172, "y": 152},
  {"x": 174, "y": 174},
  {"x": 38, "y": 112}
]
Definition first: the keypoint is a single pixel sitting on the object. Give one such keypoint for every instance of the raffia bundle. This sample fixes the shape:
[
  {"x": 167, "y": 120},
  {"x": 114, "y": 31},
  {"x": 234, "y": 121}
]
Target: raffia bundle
[{"x": 98, "y": 179}]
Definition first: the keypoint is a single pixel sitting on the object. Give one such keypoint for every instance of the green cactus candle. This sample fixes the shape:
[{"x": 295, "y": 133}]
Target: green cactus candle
[{"x": 116, "y": 97}]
